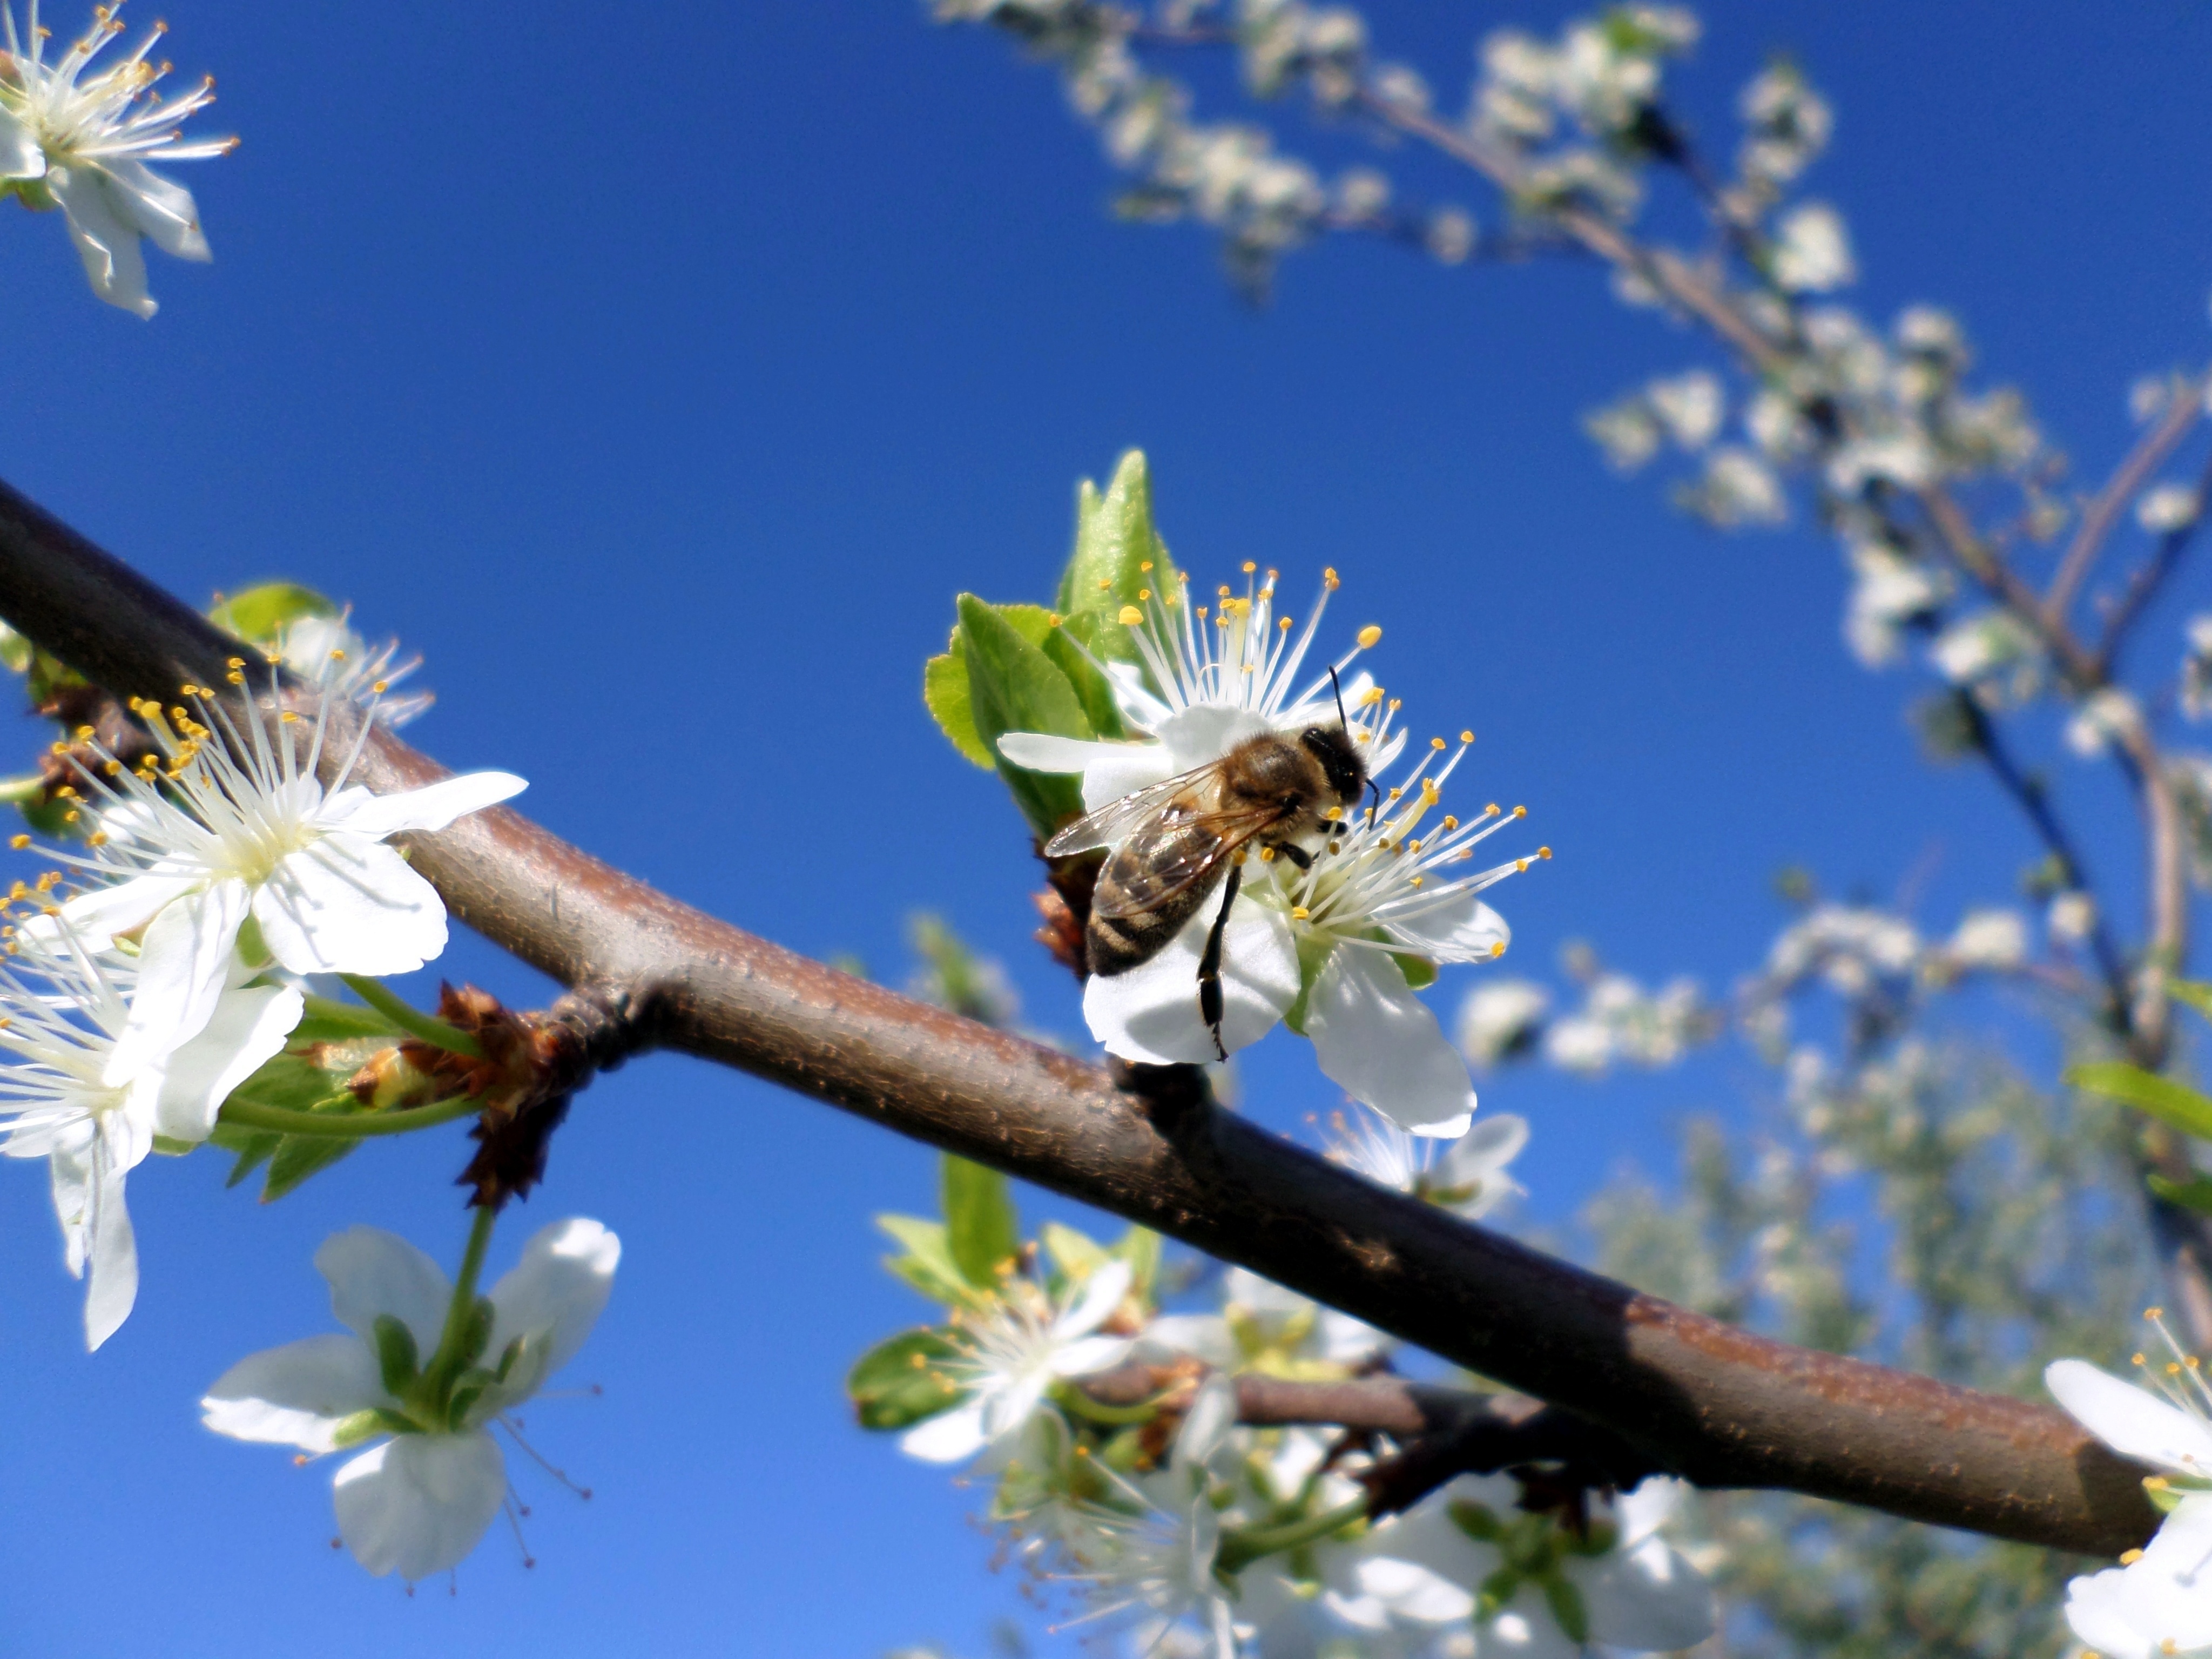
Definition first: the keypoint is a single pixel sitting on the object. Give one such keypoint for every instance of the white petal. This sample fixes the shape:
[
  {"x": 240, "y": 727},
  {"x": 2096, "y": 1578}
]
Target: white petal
[
  {"x": 1464, "y": 930},
  {"x": 419, "y": 1503},
  {"x": 98, "y": 916},
  {"x": 295, "y": 1395},
  {"x": 1123, "y": 770},
  {"x": 111, "y": 1285},
  {"x": 433, "y": 807},
  {"x": 556, "y": 1290},
  {"x": 348, "y": 905},
  {"x": 105, "y": 239},
  {"x": 1646, "y": 1599},
  {"x": 183, "y": 957},
  {"x": 1379, "y": 1043},
  {"x": 1088, "y": 1356},
  {"x": 1151, "y": 1015},
  {"x": 247, "y": 1028},
  {"x": 20, "y": 154},
  {"x": 1487, "y": 1148},
  {"x": 1139, "y": 707},
  {"x": 2168, "y": 1598},
  {"x": 1413, "y": 1592},
  {"x": 1652, "y": 1503},
  {"x": 1202, "y": 1336},
  {"x": 1526, "y": 1630},
  {"x": 159, "y": 208},
  {"x": 1040, "y": 752},
  {"x": 948, "y": 1437},
  {"x": 1101, "y": 1293},
  {"x": 1205, "y": 732},
  {"x": 1213, "y": 1414},
  {"x": 2097, "y": 1608},
  {"x": 2132, "y": 1421},
  {"x": 372, "y": 1271}
]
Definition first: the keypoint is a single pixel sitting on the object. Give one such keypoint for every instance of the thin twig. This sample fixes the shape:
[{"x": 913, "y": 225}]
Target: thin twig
[{"x": 2104, "y": 510}]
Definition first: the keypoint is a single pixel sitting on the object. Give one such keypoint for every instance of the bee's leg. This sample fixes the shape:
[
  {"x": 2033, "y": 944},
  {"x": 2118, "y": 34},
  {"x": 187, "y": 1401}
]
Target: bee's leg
[
  {"x": 1209, "y": 964},
  {"x": 1295, "y": 853}
]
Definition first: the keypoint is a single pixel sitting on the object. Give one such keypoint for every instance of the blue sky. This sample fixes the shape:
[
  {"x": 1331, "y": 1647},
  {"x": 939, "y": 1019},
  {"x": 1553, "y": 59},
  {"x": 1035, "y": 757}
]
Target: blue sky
[{"x": 662, "y": 377}]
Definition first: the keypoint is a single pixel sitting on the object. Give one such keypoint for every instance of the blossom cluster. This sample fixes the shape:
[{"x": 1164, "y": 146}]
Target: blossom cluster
[
  {"x": 163, "y": 986},
  {"x": 1106, "y": 1427}
]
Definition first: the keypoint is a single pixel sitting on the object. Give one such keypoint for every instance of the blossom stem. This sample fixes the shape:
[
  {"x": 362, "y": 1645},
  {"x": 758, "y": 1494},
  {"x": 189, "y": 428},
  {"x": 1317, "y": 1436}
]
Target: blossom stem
[
  {"x": 413, "y": 1020},
  {"x": 1071, "y": 1396},
  {"x": 447, "y": 1362},
  {"x": 16, "y": 791},
  {"x": 343, "y": 1126},
  {"x": 1240, "y": 1549}
]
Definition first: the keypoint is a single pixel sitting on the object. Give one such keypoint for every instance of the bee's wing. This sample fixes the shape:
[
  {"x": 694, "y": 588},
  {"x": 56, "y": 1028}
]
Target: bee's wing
[
  {"x": 1193, "y": 861},
  {"x": 1118, "y": 820}
]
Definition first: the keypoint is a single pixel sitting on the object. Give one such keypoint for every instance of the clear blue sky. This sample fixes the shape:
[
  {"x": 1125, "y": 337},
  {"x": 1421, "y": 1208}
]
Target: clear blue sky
[{"x": 661, "y": 375}]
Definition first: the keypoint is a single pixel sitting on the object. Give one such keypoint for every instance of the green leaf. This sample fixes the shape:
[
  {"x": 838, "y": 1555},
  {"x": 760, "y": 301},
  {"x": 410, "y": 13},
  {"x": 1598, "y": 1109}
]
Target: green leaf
[
  {"x": 293, "y": 1082},
  {"x": 1566, "y": 1604},
  {"x": 297, "y": 1157},
  {"x": 253, "y": 1147},
  {"x": 329, "y": 1021},
  {"x": 980, "y": 1229},
  {"x": 897, "y": 1382},
  {"x": 1114, "y": 540},
  {"x": 2169, "y": 1101},
  {"x": 1012, "y": 686},
  {"x": 1075, "y": 1253},
  {"x": 2195, "y": 995},
  {"x": 261, "y": 614},
  {"x": 928, "y": 1265},
  {"x": 1420, "y": 973},
  {"x": 944, "y": 694},
  {"x": 398, "y": 1360},
  {"x": 2195, "y": 1193},
  {"x": 1066, "y": 645}
]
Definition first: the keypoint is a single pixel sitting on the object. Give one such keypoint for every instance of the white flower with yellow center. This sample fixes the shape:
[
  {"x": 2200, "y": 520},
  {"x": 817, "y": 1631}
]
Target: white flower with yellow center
[
  {"x": 236, "y": 825},
  {"x": 1328, "y": 950},
  {"x": 80, "y": 142},
  {"x": 2160, "y": 1601},
  {"x": 1212, "y": 675},
  {"x": 328, "y": 649},
  {"x": 72, "y": 1093}
]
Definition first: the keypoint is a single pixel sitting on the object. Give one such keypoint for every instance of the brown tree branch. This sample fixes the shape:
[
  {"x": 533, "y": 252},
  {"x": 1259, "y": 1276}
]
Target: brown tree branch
[
  {"x": 1720, "y": 1405},
  {"x": 2104, "y": 507}
]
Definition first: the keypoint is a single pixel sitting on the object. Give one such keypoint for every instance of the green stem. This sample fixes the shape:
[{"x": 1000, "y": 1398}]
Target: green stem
[
  {"x": 435, "y": 1032},
  {"x": 1071, "y": 1397},
  {"x": 447, "y": 1362},
  {"x": 1240, "y": 1549},
  {"x": 343, "y": 1126}
]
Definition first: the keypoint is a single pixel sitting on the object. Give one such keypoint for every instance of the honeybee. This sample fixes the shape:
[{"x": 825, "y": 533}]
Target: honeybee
[{"x": 1177, "y": 839}]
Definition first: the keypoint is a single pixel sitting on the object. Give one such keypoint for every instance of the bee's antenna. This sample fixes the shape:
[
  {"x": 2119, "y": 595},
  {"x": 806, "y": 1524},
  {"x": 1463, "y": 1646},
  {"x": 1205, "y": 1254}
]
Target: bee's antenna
[{"x": 1342, "y": 724}]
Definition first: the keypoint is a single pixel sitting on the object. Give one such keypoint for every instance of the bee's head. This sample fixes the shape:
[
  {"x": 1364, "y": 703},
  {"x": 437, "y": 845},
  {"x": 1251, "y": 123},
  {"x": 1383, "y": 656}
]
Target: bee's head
[{"x": 1332, "y": 746}]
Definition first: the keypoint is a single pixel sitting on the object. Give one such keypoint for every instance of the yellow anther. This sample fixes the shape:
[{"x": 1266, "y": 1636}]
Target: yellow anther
[
  {"x": 83, "y": 733},
  {"x": 19, "y": 842},
  {"x": 1369, "y": 637},
  {"x": 1395, "y": 793},
  {"x": 1543, "y": 852},
  {"x": 1467, "y": 737},
  {"x": 111, "y": 767},
  {"x": 1129, "y": 615},
  {"x": 1203, "y": 610},
  {"x": 234, "y": 662},
  {"x": 1396, "y": 703},
  {"x": 1436, "y": 743},
  {"x": 2138, "y": 1359},
  {"x": 287, "y": 718},
  {"x": 1105, "y": 587},
  {"x": 189, "y": 689},
  {"x": 235, "y": 677},
  {"x": 1490, "y": 811},
  {"x": 1328, "y": 578},
  {"x": 1520, "y": 865},
  {"x": 1417, "y": 879},
  {"x": 71, "y": 816},
  {"x": 338, "y": 653},
  {"x": 2153, "y": 1313},
  {"x": 49, "y": 909},
  {"x": 1520, "y": 811},
  {"x": 2154, "y": 1482},
  {"x": 1334, "y": 814},
  {"x": 1497, "y": 949},
  {"x": 97, "y": 838},
  {"x": 1145, "y": 565},
  {"x": 2169, "y": 1645},
  {"x": 1144, "y": 594},
  {"x": 1430, "y": 793},
  {"x": 1266, "y": 855},
  {"x": 47, "y": 880},
  {"x": 382, "y": 686},
  {"x": 1450, "y": 823},
  {"x": 2128, "y": 1557},
  {"x": 2172, "y": 1370},
  {"x": 57, "y": 747},
  {"x": 1283, "y": 625},
  {"x": 1372, "y": 696},
  {"x": 1250, "y": 565},
  {"x": 1299, "y": 913}
]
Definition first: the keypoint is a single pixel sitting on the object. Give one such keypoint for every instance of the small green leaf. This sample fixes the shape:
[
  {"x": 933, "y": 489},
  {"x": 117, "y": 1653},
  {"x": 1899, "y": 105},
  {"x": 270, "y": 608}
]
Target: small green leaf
[
  {"x": 944, "y": 694},
  {"x": 297, "y": 1157},
  {"x": 2193, "y": 993},
  {"x": 1140, "y": 1247},
  {"x": 1115, "y": 539},
  {"x": 1313, "y": 951},
  {"x": 1476, "y": 1519},
  {"x": 2195, "y": 1193},
  {"x": 900, "y": 1381},
  {"x": 1566, "y": 1604},
  {"x": 980, "y": 1229},
  {"x": 293, "y": 1082},
  {"x": 262, "y": 614},
  {"x": 399, "y": 1362},
  {"x": 1075, "y": 1253},
  {"x": 170, "y": 1147},
  {"x": 1066, "y": 646},
  {"x": 330, "y": 1021},
  {"x": 2173, "y": 1102},
  {"x": 14, "y": 651},
  {"x": 1420, "y": 973},
  {"x": 253, "y": 1146},
  {"x": 928, "y": 1265},
  {"x": 1012, "y": 686}
]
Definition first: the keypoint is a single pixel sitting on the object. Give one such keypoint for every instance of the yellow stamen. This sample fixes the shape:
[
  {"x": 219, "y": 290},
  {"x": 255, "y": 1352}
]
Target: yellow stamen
[
  {"x": 1436, "y": 743},
  {"x": 1520, "y": 811},
  {"x": 1298, "y": 913},
  {"x": 1497, "y": 949},
  {"x": 1369, "y": 635},
  {"x": 1328, "y": 578},
  {"x": 1146, "y": 566},
  {"x": 1250, "y": 566},
  {"x": 1543, "y": 852}
]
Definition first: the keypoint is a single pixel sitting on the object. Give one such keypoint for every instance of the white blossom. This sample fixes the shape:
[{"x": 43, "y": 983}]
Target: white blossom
[
  {"x": 1812, "y": 251},
  {"x": 1467, "y": 1176},
  {"x": 1265, "y": 1325},
  {"x": 2196, "y": 668},
  {"x": 2104, "y": 715},
  {"x": 1994, "y": 939},
  {"x": 1501, "y": 1018},
  {"x": 1977, "y": 647},
  {"x": 2164, "y": 508},
  {"x": 2071, "y": 917},
  {"x": 419, "y": 1501},
  {"x": 1321, "y": 945},
  {"x": 81, "y": 140},
  {"x": 1012, "y": 1353},
  {"x": 73, "y": 1093},
  {"x": 1690, "y": 406},
  {"x": 2158, "y": 1603},
  {"x": 1789, "y": 123},
  {"x": 1738, "y": 487},
  {"x": 327, "y": 649},
  {"x": 235, "y": 826}
]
